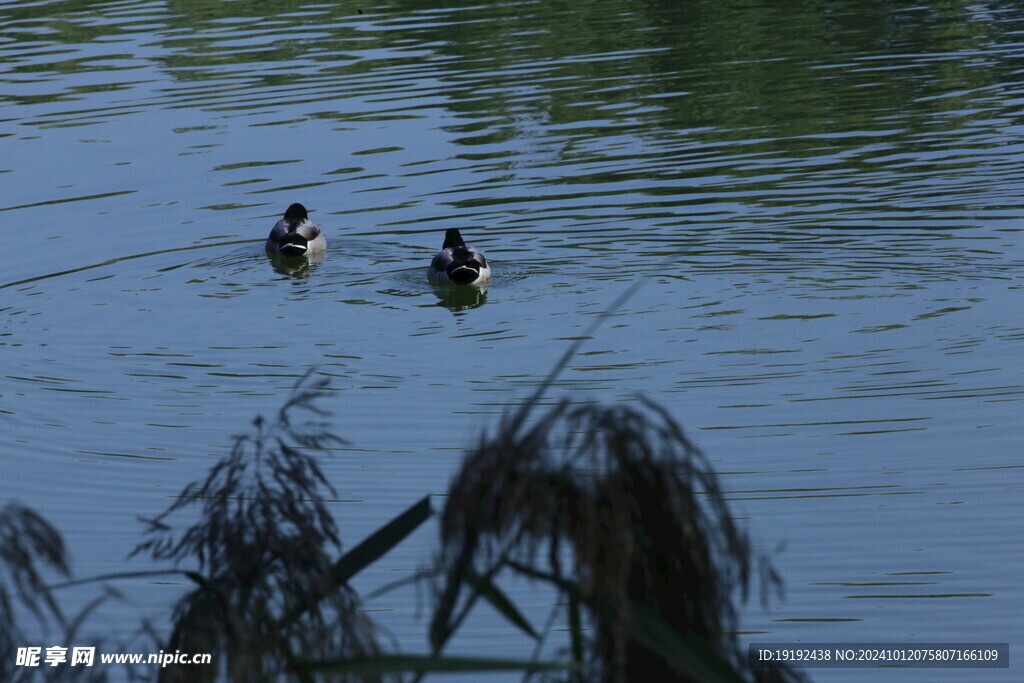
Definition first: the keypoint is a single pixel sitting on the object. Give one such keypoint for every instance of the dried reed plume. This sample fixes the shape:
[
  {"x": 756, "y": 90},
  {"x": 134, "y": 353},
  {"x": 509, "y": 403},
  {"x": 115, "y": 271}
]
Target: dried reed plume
[
  {"x": 264, "y": 543},
  {"x": 28, "y": 545},
  {"x": 656, "y": 558}
]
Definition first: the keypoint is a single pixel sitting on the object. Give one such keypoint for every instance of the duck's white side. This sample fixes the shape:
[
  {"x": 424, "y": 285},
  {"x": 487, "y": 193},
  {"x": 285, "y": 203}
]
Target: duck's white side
[
  {"x": 457, "y": 263},
  {"x": 295, "y": 234}
]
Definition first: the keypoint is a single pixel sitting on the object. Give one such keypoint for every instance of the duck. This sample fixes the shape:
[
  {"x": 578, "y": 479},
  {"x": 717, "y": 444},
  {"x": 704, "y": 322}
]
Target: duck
[
  {"x": 295, "y": 234},
  {"x": 458, "y": 263}
]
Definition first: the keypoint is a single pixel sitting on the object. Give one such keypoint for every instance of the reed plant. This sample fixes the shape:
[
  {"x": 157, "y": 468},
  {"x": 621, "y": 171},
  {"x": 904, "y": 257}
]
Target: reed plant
[
  {"x": 30, "y": 547},
  {"x": 611, "y": 507},
  {"x": 617, "y": 511},
  {"x": 264, "y": 547}
]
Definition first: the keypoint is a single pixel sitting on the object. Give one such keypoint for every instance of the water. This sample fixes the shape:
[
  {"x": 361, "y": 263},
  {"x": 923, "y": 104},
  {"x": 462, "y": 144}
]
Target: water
[{"x": 824, "y": 200}]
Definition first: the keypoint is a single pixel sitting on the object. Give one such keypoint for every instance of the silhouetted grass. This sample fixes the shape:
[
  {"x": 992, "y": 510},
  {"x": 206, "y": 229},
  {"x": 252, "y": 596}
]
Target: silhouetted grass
[
  {"x": 29, "y": 546},
  {"x": 265, "y": 545},
  {"x": 611, "y": 506},
  {"x": 655, "y": 560}
]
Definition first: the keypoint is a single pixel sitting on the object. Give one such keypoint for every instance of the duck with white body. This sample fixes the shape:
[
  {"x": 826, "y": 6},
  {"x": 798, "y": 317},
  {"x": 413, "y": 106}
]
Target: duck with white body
[
  {"x": 457, "y": 263},
  {"x": 295, "y": 234}
]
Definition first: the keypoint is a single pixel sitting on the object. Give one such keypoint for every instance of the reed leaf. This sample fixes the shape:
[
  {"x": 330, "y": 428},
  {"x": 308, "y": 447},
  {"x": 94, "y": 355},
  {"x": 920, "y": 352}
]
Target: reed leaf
[
  {"x": 382, "y": 541},
  {"x": 490, "y": 592}
]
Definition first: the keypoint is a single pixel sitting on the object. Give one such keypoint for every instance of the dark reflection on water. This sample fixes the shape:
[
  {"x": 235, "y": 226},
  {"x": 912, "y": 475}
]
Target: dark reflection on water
[
  {"x": 824, "y": 196},
  {"x": 460, "y": 298},
  {"x": 295, "y": 266}
]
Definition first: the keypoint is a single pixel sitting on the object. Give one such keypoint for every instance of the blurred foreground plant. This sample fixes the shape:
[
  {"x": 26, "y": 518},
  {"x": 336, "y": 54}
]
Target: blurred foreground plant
[
  {"x": 29, "y": 545},
  {"x": 614, "y": 508},
  {"x": 266, "y": 590},
  {"x": 610, "y": 506}
]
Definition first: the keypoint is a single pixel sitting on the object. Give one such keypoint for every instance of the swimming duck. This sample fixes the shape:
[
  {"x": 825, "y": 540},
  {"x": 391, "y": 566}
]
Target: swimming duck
[
  {"x": 295, "y": 234},
  {"x": 458, "y": 263}
]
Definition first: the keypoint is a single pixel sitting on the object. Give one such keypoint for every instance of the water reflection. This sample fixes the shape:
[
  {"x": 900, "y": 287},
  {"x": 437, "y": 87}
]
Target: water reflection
[
  {"x": 297, "y": 267},
  {"x": 460, "y": 297}
]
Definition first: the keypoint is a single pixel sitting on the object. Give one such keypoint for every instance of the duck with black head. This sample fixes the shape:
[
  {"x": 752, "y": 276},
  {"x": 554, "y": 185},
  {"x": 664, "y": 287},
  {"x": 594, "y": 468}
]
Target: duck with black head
[
  {"x": 458, "y": 263},
  {"x": 295, "y": 234}
]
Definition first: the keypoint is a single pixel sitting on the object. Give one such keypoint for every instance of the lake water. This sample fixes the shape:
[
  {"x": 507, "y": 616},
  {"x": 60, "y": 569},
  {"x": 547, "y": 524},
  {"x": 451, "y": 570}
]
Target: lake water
[{"x": 824, "y": 199}]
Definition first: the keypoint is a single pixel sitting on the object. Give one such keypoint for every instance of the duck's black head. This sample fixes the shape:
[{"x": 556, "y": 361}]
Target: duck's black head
[
  {"x": 452, "y": 238},
  {"x": 296, "y": 212}
]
